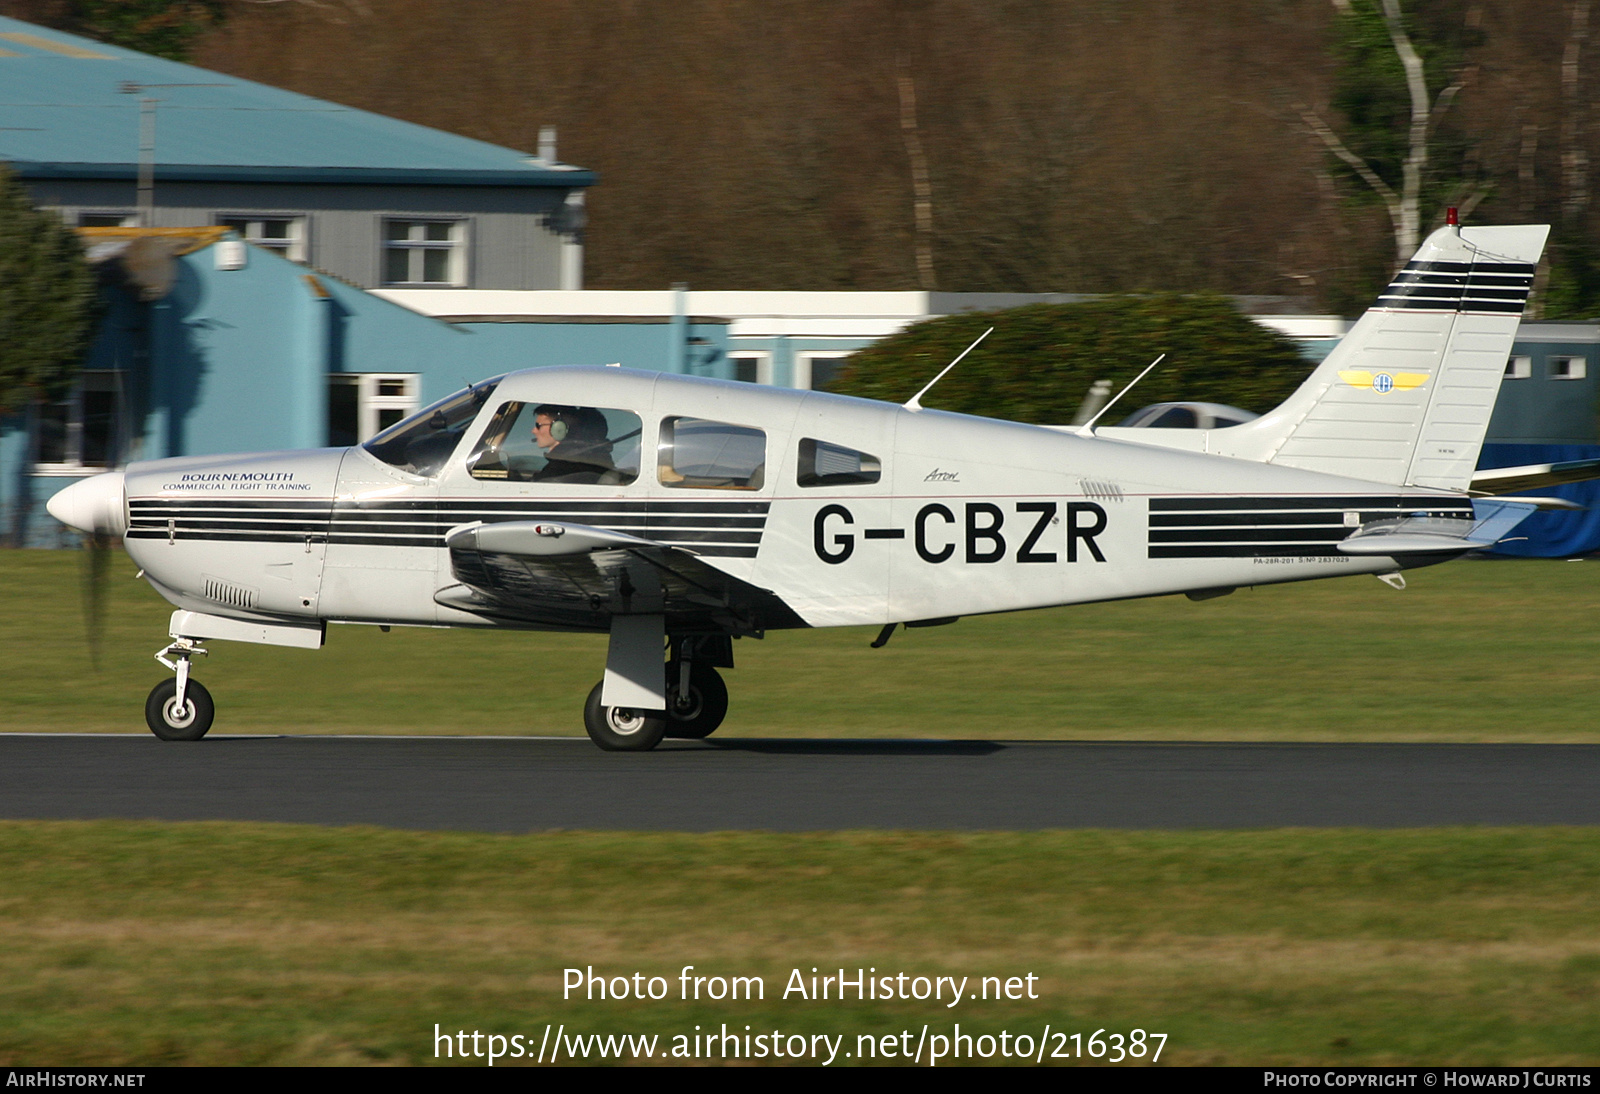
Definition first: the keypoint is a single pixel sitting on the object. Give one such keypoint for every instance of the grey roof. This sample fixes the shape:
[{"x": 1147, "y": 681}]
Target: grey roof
[{"x": 64, "y": 114}]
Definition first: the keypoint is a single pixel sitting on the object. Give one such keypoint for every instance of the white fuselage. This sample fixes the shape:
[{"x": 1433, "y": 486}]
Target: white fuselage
[{"x": 968, "y": 515}]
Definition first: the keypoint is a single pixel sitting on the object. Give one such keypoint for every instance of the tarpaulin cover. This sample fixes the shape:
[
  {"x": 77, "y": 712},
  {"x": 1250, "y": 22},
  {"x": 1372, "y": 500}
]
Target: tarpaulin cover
[{"x": 1551, "y": 534}]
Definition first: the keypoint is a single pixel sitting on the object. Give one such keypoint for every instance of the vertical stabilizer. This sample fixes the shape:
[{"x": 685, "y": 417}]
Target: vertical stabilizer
[{"x": 1405, "y": 397}]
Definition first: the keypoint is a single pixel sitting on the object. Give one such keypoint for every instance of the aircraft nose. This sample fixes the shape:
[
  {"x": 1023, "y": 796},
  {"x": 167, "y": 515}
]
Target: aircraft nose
[{"x": 94, "y": 505}]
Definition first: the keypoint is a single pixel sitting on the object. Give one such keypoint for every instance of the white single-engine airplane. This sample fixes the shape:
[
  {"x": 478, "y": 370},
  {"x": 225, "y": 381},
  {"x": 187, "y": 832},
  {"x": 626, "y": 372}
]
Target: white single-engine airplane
[{"x": 676, "y": 513}]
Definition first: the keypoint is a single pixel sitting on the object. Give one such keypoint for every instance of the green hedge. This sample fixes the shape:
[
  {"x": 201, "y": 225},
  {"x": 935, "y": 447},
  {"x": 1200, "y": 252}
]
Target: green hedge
[{"x": 1041, "y": 359}]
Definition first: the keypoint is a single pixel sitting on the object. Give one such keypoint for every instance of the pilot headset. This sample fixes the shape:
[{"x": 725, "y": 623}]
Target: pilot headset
[{"x": 559, "y": 427}]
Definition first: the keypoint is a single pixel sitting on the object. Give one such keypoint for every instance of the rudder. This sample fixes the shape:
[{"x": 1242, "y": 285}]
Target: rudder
[{"x": 1405, "y": 397}]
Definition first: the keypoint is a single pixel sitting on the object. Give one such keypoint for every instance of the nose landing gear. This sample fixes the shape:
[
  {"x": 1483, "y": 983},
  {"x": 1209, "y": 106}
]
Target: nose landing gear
[{"x": 180, "y": 709}]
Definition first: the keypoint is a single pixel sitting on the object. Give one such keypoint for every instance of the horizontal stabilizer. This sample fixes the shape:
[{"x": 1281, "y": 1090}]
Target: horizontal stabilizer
[
  {"x": 1534, "y": 476},
  {"x": 1401, "y": 543},
  {"x": 1426, "y": 535},
  {"x": 1559, "y": 504}
]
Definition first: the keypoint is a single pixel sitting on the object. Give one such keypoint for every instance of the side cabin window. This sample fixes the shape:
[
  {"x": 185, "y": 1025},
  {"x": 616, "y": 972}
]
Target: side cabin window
[
  {"x": 423, "y": 442},
  {"x": 706, "y": 455},
  {"x": 824, "y": 464},
  {"x": 557, "y": 442}
]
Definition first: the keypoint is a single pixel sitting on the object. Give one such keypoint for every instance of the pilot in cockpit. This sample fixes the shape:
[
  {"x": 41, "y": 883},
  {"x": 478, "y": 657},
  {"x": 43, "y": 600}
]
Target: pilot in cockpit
[{"x": 574, "y": 443}]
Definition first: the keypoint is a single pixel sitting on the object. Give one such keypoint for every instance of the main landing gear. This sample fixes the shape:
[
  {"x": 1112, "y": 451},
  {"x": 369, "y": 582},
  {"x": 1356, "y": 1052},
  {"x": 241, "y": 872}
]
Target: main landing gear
[
  {"x": 697, "y": 702},
  {"x": 179, "y": 709}
]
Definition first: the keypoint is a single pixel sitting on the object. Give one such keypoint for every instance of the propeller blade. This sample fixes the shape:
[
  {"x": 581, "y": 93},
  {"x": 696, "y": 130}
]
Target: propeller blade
[{"x": 97, "y": 552}]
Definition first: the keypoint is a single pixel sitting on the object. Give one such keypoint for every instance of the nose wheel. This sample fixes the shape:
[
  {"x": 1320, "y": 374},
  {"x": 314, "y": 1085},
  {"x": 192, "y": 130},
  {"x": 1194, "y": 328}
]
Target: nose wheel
[
  {"x": 173, "y": 719},
  {"x": 179, "y": 709}
]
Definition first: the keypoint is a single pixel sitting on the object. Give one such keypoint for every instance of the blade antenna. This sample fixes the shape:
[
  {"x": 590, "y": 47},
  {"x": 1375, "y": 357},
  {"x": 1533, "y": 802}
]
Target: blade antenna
[
  {"x": 915, "y": 402},
  {"x": 1088, "y": 427}
]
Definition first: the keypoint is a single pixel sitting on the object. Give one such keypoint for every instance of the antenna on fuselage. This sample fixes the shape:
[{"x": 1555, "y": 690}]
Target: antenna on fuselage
[
  {"x": 915, "y": 402},
  {"x": 1088, "y": 427}
]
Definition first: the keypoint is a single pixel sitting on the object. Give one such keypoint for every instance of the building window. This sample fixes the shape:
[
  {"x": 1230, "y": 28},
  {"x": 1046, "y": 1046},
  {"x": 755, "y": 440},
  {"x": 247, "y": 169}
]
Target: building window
[
  {"x": 285, "y": 236},
  {"x": 1567, "y": 368},
  {"x": 752, "y": 368},
  {"x": 363, "y": 404},
  {"x": 817, "y": 370},
  {"x": 424, "y": 252},
  {"x": 84, "y": 430},
  {"x": 1519, "y": 368},
  {"x": 103, "y": 218}
]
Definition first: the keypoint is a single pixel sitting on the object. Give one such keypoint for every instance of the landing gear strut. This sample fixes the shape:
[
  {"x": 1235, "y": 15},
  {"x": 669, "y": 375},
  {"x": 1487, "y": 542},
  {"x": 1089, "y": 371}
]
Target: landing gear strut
[
  {"x": 696, "y": 700},
  {"x": 180, "y": 709}
]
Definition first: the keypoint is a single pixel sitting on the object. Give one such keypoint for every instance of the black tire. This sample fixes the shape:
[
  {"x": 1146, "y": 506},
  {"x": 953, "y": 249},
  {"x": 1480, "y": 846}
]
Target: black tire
[
  {"x": 622, "y": 729},
  {"x": 706, "y": 707},
  {"x": 172, "y": 725}
]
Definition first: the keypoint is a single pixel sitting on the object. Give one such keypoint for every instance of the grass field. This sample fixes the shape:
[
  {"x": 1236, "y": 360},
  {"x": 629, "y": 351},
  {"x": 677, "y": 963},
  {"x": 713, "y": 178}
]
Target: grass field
[
  {"x": 223, "y": 943},
  {"x": 1472, "y": 651},
  {"x": 127, "y": 943}
]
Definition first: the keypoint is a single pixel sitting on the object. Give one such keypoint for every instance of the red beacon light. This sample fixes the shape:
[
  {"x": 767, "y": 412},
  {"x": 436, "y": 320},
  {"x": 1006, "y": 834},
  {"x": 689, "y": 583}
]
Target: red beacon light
[{"x": 1451, "y": 218}]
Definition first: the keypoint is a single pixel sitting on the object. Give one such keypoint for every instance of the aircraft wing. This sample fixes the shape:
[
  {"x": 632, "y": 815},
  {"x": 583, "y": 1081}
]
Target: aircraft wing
[
  {"x": 1534, "y": 476},
  {"x": 574, "y": 576}
]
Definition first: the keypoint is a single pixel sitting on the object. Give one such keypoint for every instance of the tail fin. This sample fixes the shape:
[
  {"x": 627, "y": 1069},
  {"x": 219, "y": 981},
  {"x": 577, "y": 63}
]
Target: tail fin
[{"x": 1405, "y": 397}]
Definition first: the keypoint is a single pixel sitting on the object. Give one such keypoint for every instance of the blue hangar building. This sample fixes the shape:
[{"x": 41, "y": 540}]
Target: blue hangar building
[{"x": 237, "y": 228}]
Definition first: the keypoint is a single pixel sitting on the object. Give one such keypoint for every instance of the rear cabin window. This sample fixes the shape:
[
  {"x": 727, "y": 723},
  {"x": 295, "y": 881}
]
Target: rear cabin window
[
  {"x": 701, "y": 454},
  {"x": 559, "y": 443},
  {"x": 824, "y": 464}
]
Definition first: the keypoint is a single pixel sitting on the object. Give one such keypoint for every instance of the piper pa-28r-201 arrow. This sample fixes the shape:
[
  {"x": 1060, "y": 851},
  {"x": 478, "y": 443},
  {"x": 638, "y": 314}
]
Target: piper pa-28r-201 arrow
[{"x": 676, "y": 514}]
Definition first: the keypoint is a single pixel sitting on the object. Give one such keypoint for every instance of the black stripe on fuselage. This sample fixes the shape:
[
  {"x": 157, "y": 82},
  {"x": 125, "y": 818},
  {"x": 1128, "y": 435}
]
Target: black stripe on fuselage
[
  {"x": 1213, "y": 527},
  {"x": 1250, "y": 535},
  {"x": 1377, "y": 503},
  {"x": 731, "y": 529},
  {"x": 1308, "y": 550}
]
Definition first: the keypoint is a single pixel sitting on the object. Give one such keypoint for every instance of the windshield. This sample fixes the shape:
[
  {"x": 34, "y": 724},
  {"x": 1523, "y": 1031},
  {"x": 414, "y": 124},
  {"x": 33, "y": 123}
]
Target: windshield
[{"x": 423, "y": 442}]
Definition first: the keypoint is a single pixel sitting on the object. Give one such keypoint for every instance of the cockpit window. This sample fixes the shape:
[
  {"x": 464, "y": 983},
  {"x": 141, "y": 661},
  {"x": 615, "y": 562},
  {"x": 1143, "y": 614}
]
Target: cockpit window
[
  {"x": 423, "y": 442},
  {"x": 824, "y": 464},
  {"x": 555, "y": 442}
]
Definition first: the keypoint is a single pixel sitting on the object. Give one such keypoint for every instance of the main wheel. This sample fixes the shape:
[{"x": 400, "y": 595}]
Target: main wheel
[
  {"x": 622, "y": 729},
  {"x": 167, "y": 721},
  {"x": 701, "y": 712}
]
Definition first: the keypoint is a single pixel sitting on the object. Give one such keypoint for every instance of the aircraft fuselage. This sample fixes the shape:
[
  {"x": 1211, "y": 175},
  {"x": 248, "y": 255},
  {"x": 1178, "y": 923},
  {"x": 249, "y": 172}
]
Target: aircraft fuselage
[{"x": 966, "y": 515}]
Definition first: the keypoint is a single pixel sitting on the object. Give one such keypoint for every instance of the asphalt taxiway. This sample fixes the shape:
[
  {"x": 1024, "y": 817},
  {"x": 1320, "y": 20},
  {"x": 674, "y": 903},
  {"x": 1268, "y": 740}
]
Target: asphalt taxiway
[{"x": 531, "y": 784}]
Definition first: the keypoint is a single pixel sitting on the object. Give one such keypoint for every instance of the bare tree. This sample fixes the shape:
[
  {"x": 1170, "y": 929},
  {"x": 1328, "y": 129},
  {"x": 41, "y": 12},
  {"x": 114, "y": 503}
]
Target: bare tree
[
  {"x": 1574, "y": 152},
  {"x": 921, "y": 188},
  {"x": 1405, "y": 204}
]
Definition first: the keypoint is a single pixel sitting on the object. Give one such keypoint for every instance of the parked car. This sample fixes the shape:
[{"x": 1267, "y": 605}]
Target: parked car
[{"x": 1187, "y": 416}]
